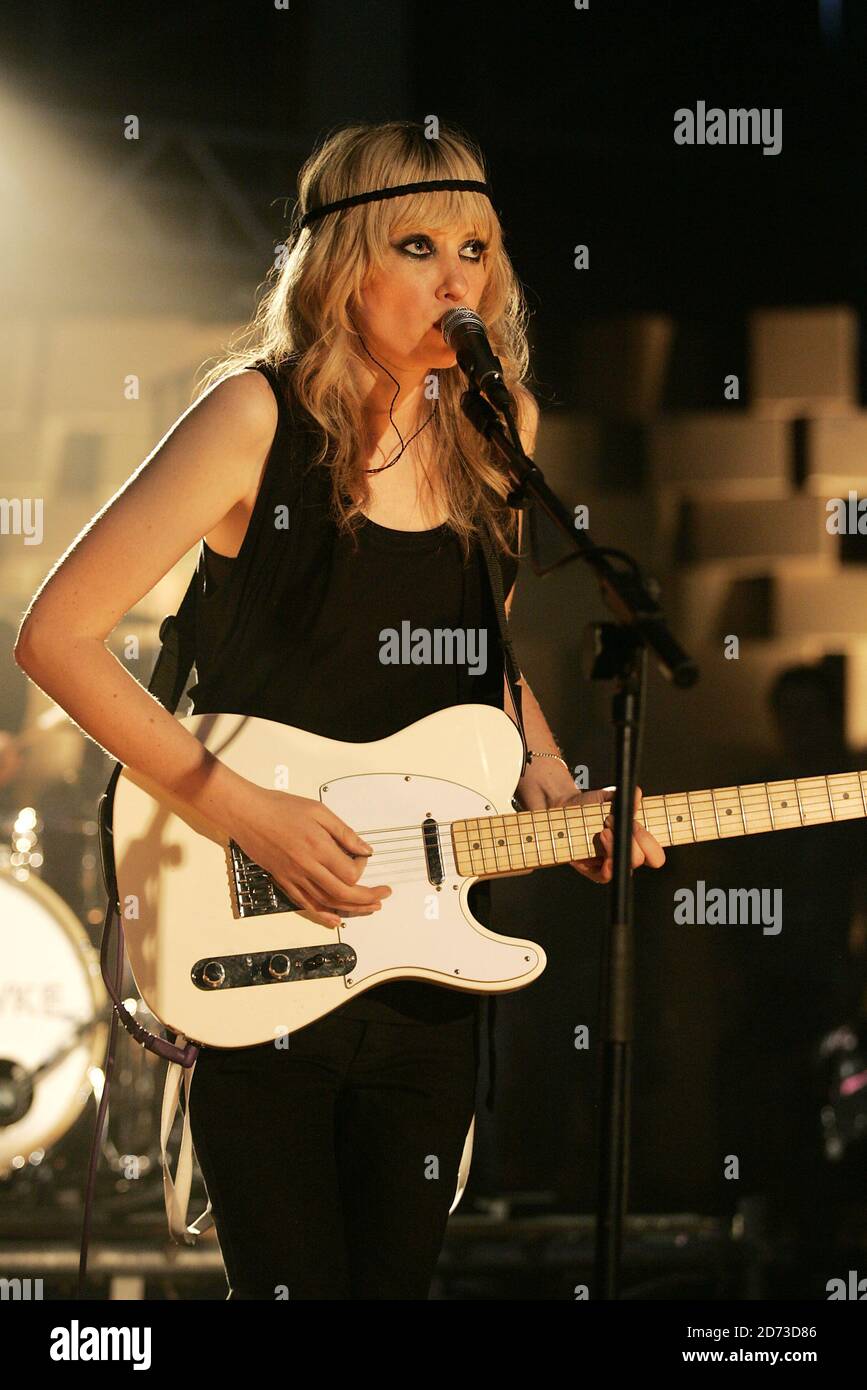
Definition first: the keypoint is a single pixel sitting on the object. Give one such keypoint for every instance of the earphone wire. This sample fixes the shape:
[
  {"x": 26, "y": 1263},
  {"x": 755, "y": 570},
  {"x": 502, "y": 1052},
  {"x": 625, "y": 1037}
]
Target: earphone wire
[{"x": 391, "y": 408}]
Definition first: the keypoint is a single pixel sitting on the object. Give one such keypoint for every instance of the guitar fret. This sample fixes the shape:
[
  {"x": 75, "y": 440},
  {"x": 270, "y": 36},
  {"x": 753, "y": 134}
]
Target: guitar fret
[
  {"x": 651, "y": 805},
  {"x": 495, "y": 846},
  {"x": 521, "y": 844},
  {"x": 770, "y": 807},
  {"x": 501, "y": 844},
  {"x": 550, "y": 828},
  {"x": 800, "y": 807},
  {"x": 516, "y": 843},
  {"x": 486, "y": 841},
  {"x": 812, "y": 792},
  {"x": 558, "y": 835},
  {"x": 843, "y": 783},
  {"x": 727, "y": 810},
  {"x": 528, "y": 839},
  {"x": 592, "y": 812},
  {"x": 861, "y": 789},
  {"x": 667, "y": 820},
  {"x": 569, "y": 834},
  {"x": 702, "y": 814},
  {"x": 830, "y": 800},
  {"x": 678, "y": 817},
  {"x": 757, "y": 808},
  {"x": 691, "y": 817},
  {"x": 513, "y": 842},
  {"x": 480, "y": 844},
  {"x": 786, "y": 803},
  {"x": 551, "y": 834},
  {"x": 588, "y": 843},
  {"x": 475, "y": 846},
  {"x": 743, "y": 813},
  {"x": 562, "y": 829},
  {"x": 516, "y": 847},
  {"x": 484, "y": 847}
]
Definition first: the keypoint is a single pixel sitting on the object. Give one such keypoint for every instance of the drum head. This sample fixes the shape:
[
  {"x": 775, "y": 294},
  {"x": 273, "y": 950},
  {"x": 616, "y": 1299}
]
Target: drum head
[{"x": 52, "y": 1009}]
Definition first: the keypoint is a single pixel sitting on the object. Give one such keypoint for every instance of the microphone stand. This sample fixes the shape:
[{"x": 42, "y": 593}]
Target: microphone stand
[{"x": 619, "y": 652}]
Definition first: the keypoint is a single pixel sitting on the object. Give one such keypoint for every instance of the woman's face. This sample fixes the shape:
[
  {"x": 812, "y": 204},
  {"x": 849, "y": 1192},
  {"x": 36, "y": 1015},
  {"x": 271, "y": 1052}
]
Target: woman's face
[{"x": 425, "y": 274}]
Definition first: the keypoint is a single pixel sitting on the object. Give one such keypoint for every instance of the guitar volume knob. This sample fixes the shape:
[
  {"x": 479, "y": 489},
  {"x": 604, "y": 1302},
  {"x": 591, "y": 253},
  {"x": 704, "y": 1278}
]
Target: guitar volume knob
[{"x": 280, "y": 966}]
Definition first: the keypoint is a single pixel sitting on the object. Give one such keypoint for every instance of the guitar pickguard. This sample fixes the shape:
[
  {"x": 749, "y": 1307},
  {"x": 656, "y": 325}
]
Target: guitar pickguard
[{"x": 425, "y": 923}]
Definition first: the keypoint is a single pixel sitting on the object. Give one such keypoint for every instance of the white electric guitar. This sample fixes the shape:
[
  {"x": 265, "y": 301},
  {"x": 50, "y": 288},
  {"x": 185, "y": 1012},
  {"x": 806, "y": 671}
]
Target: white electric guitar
[{"x": 222, "y": 955}]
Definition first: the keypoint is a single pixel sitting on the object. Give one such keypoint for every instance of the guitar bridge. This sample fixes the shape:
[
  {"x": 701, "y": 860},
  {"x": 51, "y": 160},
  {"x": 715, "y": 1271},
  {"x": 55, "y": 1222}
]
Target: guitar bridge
[{"x": 254, "y": 892}]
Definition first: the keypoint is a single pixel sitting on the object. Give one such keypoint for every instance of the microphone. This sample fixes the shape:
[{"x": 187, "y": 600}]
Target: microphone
[{"x": 466, "y": 335}]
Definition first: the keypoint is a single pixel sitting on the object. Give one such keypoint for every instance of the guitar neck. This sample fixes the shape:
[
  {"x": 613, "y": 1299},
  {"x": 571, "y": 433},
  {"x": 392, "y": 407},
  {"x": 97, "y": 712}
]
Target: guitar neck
[{"x": 537, "y": 839}]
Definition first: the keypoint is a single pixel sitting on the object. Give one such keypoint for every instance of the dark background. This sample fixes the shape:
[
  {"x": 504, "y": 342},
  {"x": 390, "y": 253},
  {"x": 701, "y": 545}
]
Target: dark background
[{"x": 573, "y": 109}]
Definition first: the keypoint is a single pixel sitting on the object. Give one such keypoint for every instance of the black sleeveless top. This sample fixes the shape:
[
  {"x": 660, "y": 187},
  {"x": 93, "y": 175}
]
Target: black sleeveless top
[{"x": 290, "y": 630}]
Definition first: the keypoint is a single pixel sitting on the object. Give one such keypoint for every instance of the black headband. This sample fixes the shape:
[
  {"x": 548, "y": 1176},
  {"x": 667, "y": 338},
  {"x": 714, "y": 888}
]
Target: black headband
[{"x": 396, "y": 192}]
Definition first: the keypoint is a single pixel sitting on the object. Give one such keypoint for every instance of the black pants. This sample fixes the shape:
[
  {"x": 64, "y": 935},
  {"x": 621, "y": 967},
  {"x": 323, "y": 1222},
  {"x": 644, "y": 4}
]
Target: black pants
[{"x": 331, "y": 1164}]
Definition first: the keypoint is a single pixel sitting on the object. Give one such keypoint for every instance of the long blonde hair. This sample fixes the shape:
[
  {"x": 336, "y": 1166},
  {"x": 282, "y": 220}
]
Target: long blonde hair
[{"x": 305, "y": 312}]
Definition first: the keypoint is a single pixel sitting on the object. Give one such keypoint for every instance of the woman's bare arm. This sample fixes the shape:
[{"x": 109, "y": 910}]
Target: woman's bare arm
[{"x": 211, "y": 458}]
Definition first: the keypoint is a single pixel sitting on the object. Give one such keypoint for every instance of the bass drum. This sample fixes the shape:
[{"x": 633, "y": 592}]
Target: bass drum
[{"x": 53, "y": 1021}]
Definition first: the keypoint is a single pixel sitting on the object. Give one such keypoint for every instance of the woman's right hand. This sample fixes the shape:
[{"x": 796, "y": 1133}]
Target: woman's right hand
[{"x": 308, "y": 850}]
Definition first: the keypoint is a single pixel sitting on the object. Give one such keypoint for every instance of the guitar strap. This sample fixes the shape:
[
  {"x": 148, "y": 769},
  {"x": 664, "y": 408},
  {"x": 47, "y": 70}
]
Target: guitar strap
[
  {"x": 513, "y": 675},
  {"x": 510, "y": 665}
]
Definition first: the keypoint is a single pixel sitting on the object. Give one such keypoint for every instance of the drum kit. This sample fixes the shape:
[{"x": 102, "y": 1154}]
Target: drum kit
[{"x": 54, "y": 1022}]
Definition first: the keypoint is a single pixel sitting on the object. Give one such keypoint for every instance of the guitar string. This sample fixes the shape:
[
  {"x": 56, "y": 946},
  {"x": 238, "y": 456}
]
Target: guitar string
[
  {"x": 398, "y": 854},
  {"x": 591, "y": 806},
  {"x": 416, "y": 855},
  {"x": 410, "y": 855},
  {"x": 595, "y": 809},
  {"x": 398, "y": 858},
  {"x": 808, "y": 802}
]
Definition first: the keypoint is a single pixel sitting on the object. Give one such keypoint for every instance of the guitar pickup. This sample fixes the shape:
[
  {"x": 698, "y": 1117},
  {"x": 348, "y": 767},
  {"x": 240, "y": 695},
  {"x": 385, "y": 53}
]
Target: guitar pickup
[
  {"x": 432, "y": 849},
  {"x": 218, "y": 973}
]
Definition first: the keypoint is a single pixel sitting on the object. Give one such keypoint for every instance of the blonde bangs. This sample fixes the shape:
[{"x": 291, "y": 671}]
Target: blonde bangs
[{"x": 469, "y": 212}]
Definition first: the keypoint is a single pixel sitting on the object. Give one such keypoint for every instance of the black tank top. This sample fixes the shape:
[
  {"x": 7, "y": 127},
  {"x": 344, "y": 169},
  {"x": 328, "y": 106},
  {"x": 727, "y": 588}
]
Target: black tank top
[{"x": 290, "y": 630}]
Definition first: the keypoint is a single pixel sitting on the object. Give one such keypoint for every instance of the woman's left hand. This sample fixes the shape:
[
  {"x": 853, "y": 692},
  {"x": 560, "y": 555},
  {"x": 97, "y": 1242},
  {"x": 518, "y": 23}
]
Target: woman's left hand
[
  {"x": 547, "y": 785},
  {"x": 645, "y": 848}
]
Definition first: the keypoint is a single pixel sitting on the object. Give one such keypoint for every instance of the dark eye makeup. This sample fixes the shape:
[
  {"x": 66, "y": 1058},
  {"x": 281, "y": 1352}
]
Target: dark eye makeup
[{"x": 422, "y": 239}]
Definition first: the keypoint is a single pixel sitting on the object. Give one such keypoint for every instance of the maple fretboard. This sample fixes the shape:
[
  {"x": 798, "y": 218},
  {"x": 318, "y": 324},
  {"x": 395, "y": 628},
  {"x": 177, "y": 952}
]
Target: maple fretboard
[{"x": 535, "y": 839}]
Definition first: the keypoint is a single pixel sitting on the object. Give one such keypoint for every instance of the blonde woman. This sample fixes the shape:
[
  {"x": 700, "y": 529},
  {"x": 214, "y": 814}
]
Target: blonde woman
[{"x": 337, "y": 490}]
